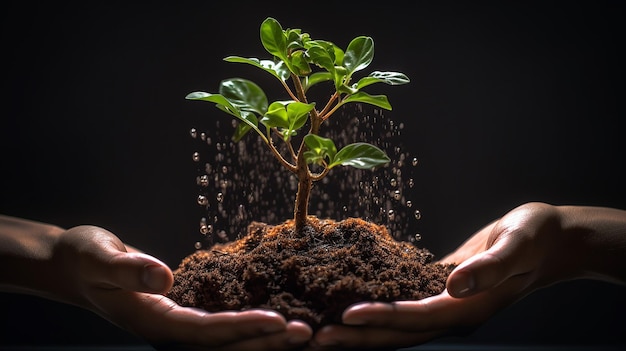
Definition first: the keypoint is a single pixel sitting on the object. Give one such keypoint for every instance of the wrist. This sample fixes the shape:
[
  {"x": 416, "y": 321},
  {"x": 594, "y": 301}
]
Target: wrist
[
  {"x": 598, "y": 235},
  {"x": 27, "y": 247}
]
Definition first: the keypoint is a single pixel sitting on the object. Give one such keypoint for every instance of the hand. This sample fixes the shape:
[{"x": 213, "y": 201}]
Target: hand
[
  {"x": 532, "y": 246},
  {"x": 90, "y": 267},
  {"x": 125, "y": 287}
]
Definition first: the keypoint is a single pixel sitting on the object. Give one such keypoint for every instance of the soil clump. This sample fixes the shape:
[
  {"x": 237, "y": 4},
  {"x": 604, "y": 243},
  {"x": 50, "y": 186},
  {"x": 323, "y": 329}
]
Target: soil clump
[{"x": 311, "y": 276}]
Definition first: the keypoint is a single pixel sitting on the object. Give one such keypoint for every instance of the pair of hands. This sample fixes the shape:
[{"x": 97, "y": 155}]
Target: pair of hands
[{"x": 498, "y": 265}]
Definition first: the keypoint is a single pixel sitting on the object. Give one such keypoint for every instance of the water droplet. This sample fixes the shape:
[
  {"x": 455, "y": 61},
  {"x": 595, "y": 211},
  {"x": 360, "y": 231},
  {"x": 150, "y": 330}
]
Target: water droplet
[
  {"x": 224, "y": 169},
  {"x": 202, "y": 200},
  {"x": 393, "y": 182},
  {"x": 418, "y": 237},
  {"x": 418, "y": 214},
  {"x": 414, "y": 162},
  {"x": 397, "y": 195},
  {"x": 204, "y": 229},
  {"x": 220, "y": 197},
  {"x": 411, "y": 183},
  {"x": 196, "y": 156},
  {"x": 198, "y": 245},
  {"x": 409, "y": 203},
  {"x": 193, "y": 132},
  {"x": 204, "y": 180},
  {"x": 391, "y": 214},
  {"x": 203, "y": 136}
]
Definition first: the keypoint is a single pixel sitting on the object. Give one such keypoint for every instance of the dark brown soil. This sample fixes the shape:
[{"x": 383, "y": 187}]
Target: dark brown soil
[{"x": 312, "y": 276}]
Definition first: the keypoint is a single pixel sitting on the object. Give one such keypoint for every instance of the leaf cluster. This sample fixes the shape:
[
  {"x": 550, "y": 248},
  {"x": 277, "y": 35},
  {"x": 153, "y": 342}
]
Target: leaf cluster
[{"x": 299, "y": 62}]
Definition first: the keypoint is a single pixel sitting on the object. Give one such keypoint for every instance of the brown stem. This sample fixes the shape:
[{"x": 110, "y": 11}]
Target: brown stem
[
  {"x": 305, "y": 178},
  {"x": 305, "y": 183}
]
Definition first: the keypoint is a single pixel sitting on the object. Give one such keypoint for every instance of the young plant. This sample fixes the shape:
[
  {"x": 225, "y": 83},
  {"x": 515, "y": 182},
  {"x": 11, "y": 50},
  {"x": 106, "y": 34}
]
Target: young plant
[{"x": 304, "y": 62}]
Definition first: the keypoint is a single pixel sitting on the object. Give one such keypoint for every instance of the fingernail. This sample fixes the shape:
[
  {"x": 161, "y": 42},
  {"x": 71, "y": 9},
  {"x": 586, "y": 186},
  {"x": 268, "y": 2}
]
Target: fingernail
[
  {"x": 462, "y": 284},
  {"x": 153, "y": 277}
]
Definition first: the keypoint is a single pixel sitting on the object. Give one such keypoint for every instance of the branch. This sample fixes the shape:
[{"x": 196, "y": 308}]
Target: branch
[
  {"x": 328, "y": 105},
  {"x": 289, "y": 146},
  {"x": 289, "y": 166},
  {"x": 317, "y": 176},
  {"x": 288, "y": 89},
  {"x": 333, "y": 110}
]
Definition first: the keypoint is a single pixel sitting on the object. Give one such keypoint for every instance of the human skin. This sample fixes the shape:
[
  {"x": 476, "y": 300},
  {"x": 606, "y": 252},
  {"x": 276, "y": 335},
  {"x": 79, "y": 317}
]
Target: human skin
[
  {"x": 90, "y": 267},
  {"x": 531, "y": 247}
]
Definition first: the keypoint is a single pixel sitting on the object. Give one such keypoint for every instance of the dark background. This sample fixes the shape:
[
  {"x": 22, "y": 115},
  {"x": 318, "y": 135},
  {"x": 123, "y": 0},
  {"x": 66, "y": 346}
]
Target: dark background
[{"x": 509, "y": 102}]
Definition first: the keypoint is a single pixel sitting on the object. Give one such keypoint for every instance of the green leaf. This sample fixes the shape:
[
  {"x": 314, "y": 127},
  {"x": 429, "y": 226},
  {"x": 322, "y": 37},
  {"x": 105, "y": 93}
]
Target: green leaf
[
  {"x": 391, "y": 78},
  {"x": 218, "y": 99},
  {"x": 244, "y": 94},
  {"x": 315, "y": 78},
  {"x": 360, "y": 155},
  {"x": 299, "y": 64},
  {"x": 243, "y": 128},
  {"x": 319, "y": 148},
  {"x": 322, "y": 56},
  {"x": 288, "y": 115},
  {"x": 376, "y": 100},
  {"x": 225, "y": 105},
  {"x": 277, "y": 69},
  {"x": 273, "y": 38},
  {"x": 359, "y": 54},
  {"x": 296, "y": 40},
  {"x": 276, "y": 115}
]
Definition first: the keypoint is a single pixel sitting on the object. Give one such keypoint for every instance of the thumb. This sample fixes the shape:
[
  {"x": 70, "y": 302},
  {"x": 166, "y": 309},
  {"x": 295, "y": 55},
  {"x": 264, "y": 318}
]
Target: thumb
[
  {"x": 487, "y": 269},
  {"x": 138, "y": 272}
]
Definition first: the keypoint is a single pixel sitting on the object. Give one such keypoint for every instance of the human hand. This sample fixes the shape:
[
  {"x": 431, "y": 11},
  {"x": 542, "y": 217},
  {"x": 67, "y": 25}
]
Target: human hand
[
  {"x": 503, "y": 262},
  {"x": 98, "y": 272}
]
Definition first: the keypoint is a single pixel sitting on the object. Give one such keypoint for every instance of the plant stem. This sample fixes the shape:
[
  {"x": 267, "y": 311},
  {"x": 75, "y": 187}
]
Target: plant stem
[
  {"x": 305, "y": 184},
  {"x": 305, "y": 178}
]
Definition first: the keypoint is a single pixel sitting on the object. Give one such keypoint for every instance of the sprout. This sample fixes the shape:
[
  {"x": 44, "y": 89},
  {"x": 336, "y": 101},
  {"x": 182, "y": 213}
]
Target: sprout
[{"x": 299, "y": 63}]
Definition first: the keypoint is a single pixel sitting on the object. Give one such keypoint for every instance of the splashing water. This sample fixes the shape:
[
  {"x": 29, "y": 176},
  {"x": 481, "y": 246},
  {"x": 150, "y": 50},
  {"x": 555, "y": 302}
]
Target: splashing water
[{"x": 241, "y": 182}]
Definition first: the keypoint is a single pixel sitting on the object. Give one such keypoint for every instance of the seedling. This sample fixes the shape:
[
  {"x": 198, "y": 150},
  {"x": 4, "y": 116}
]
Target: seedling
[{"x": 299, "y": 63}]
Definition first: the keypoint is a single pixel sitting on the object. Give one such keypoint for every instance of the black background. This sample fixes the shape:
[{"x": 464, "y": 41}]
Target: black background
[{"x": 509, "y": 102}]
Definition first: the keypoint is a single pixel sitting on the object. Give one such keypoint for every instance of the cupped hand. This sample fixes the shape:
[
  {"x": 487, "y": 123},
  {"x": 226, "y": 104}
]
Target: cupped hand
[
  {"x": 126, "y": 287},
  {"x": 498, "y": 265}
]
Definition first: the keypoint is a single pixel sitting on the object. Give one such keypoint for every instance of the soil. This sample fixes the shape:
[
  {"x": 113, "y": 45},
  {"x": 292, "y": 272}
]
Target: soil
[{"x": 311, "y": 276}]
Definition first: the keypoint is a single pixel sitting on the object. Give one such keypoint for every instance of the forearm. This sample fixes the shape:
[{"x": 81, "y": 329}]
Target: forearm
[
  {"x": 602, "y": 233},
  {"x": 26, "y": 253}
]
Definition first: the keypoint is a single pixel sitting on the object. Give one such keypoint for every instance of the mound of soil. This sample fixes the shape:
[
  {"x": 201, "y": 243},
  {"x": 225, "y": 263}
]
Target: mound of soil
[{"x": 311, "y": 276}]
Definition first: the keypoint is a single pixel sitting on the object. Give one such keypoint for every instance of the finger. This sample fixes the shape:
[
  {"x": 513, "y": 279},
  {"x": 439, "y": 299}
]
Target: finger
[
  {"x": 296, "y": 336},
  {"x": 138, "y": 272},
  {"x": 341, "y": 337},
  {"x": 440, "y": 312},
  {"x": 508, "y": 257},
  {"x": 104, "y": 262},
  {"x": 162, "y": 322}
]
